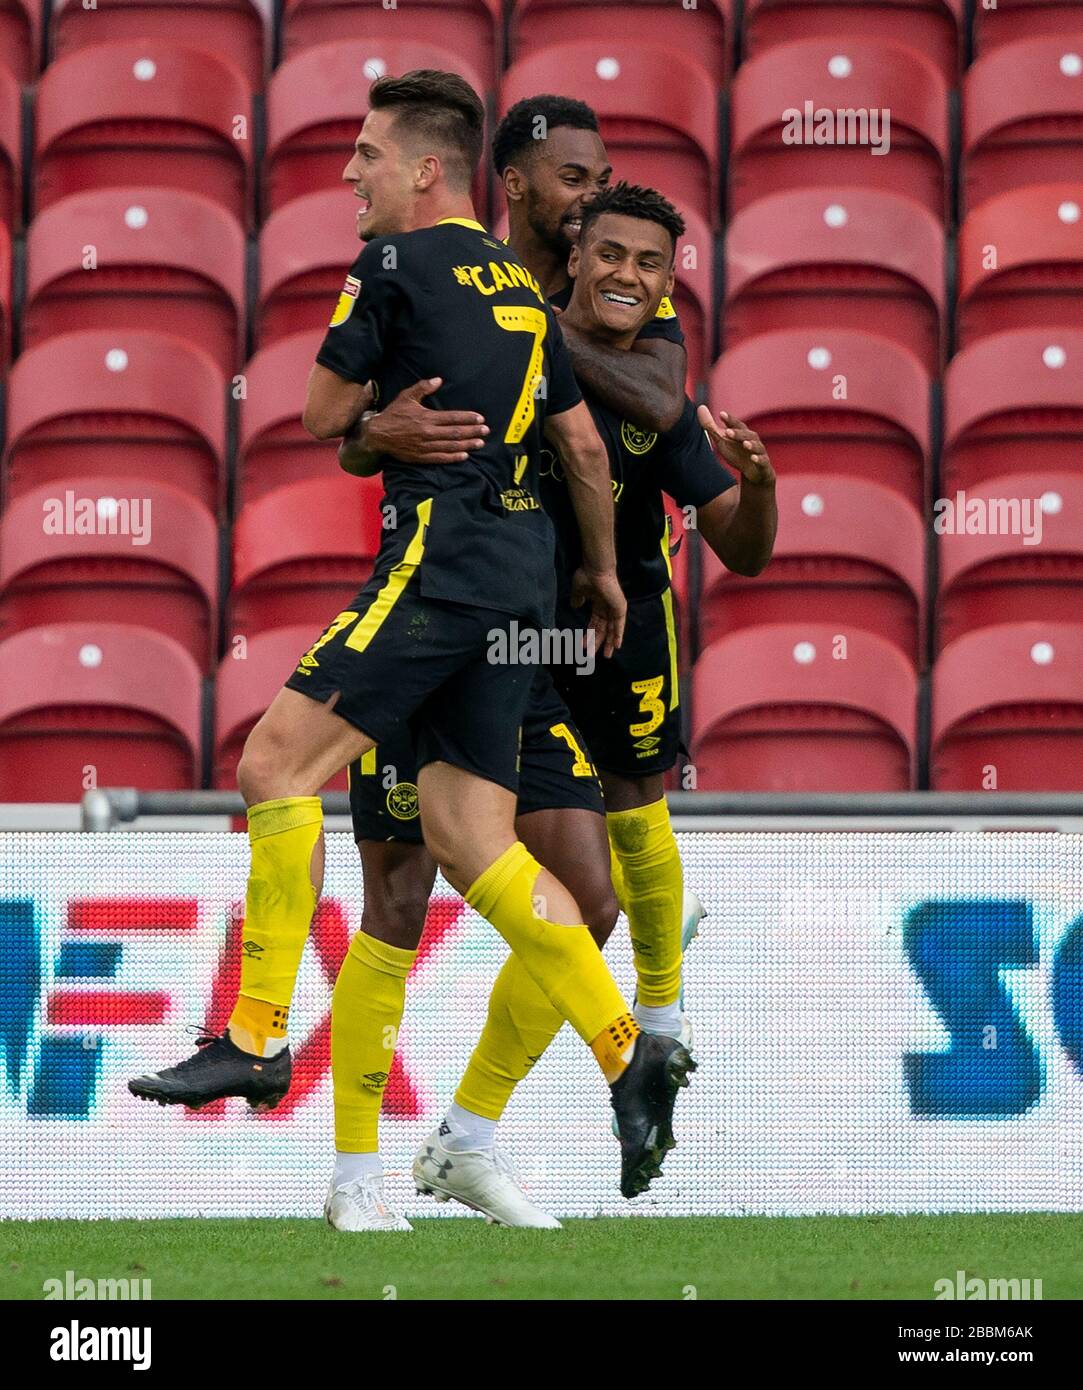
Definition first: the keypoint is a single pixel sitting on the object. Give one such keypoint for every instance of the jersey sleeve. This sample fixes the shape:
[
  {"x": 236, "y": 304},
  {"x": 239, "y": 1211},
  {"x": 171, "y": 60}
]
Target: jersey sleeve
[
  {"x": 665, "y": 324},
  {"x": 356, "y": 338},
  {"x": 690, "y": 472},
  {"x": 562, "y": 389}
]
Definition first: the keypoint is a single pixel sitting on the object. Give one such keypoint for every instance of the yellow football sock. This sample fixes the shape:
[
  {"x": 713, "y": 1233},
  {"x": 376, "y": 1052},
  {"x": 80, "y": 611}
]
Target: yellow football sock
[
  {"x": 616, "y": 875},
  {"x": 366, "y": 1010},
  {"x": 520, "y": 1025},
  {"x": 277, "y": 914},
  {"x": 564, "y": 961},
  {"x": 643, "y": 841}
]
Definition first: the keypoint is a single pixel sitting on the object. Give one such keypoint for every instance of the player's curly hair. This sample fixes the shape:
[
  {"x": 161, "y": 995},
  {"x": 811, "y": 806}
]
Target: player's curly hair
[
  {"x": 439, "y": 110},
  {"x": 633, "y": 200},
  {"x": 517, "y": 133}
]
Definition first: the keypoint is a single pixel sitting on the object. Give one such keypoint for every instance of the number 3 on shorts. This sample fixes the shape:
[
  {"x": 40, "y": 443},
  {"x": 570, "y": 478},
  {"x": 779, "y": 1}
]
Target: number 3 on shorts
[{"x": 649, "y": 704}]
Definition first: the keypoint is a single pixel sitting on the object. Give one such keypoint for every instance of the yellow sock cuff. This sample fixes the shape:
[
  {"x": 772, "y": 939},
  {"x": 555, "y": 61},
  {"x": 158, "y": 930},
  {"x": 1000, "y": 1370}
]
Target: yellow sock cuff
[
  {"x": 381, "y": 956},
  {"x": 612, "y": 1047},
  {"x": 484, "y": 893},
  {"x": 288, "y": 813}
]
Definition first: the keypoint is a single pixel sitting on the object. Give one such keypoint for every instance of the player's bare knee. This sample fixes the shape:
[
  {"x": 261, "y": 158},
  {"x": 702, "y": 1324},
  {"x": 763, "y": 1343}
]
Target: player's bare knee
[
  {"x": 398, "y": 919},
  {"x": 256, "y": 771}
]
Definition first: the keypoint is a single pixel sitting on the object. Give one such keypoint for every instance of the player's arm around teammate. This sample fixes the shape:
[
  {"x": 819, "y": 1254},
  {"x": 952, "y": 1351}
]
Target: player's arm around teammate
[{"x": 644, "y": 385}]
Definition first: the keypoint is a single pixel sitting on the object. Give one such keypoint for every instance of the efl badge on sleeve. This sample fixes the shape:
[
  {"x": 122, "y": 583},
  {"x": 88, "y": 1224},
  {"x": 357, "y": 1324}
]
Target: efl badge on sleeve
[{"x": 346, "y": 300}]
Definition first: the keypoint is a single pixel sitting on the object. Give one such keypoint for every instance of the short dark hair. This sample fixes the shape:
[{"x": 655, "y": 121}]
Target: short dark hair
[
  {"x": 518, "y": 131},
  {"x": 632, "y": 200},
  {"x": 439, "y": 109}
]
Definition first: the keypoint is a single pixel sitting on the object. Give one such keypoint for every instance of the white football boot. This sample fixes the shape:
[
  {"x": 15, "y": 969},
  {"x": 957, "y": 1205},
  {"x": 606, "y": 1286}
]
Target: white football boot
[
  {"x": 482, "y": 1179},
  {"x": 360, "y": 1206}
]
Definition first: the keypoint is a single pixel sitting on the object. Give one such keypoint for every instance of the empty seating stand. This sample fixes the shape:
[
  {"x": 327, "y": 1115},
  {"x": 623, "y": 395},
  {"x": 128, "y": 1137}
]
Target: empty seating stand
[
  {"x": 702, "y": 32},
  {"x": 837, "y": 258},
  {"x": 1023, "y": 117},
  {"x": 162, "y": 259},
  {"x": 802, "y": 116},
  {"x": 107, "y": 552},
  {"x": 848, "y": 552},
  {"x": 141, "y": 405},
  {"x": 931, "y": 27},
  {"x": 832, "y": 400},
  {"x": 96, "y": 705},
  {"x": 145, "y": 111},
  {"x": 469, "y": 29},
  {"x": 1007, "y": 709},
  {"x": 232, "y": 29},
  {"x": 804, "y": 707}
]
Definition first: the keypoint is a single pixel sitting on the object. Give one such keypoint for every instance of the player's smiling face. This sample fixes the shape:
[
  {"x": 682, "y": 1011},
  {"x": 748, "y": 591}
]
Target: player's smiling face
[
  {"x": 383, "y": 177},
  {"x": 565, "y": 170},
  {"x": 622, "y": 272}
]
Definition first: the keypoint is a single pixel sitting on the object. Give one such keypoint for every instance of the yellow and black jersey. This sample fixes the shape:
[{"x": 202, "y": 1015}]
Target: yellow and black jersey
[
  {"x": 679, "y": 463},
  {"x": 453, "y": 302}
]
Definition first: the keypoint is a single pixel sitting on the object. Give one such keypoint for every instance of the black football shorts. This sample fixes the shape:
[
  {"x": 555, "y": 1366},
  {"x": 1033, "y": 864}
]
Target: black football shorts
[
  {"x": 555, "y": 771},
  {"x": 628, "y": 707},
  {"x": 408, "y": 666}
]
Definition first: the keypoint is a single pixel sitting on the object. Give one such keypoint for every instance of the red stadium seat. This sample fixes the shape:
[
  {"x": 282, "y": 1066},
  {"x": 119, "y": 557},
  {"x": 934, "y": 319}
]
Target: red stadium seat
[
  {"x": 701, "y": 31},
  {"x": 848, "y": 552},
  {"x": 842, "y": 258},
  {"x": 1023, "y": 117},
  {"x": 275, "y": 448},
  {"x": 931, "y": 27},
  {"x": 248, "y": 680},
  {"x": 305, "y": 250},
  {"x": 470, "y": 29},
  {"x": 657, "y": 110},
  {"x": 777, "y": 708},
  {"x": 317, "y": 101},
  {"x": 1011, "y": 552},
  {"x": 96, "y": 705},
  {"x": 134, "y": 404},
  {"x": 833, "y": 401},
  {"x": 1008, "y": 20},
  {"x": 786, "y": 99},
  {"x": 693, "y": 293},
  {"x": 145, "y": 111},
  {"x": 1021, "y": 262},
  {"x": 158, "y": 569},
  {"x": 232, "y": 29},
  {"x": 5, "y": 297},
  {"x": 161, "y": 258},
  {"x": 1014, "y": 402},
  {"x": 301, "y": 553},
  {"x": 20, "y": 38},
  {"x": 1007, "y": 710},
  {"x": 11, "y": 152}
]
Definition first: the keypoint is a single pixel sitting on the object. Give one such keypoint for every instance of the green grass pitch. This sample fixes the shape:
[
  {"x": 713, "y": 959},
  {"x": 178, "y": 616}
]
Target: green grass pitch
[{"x": 870, "y": 1257}]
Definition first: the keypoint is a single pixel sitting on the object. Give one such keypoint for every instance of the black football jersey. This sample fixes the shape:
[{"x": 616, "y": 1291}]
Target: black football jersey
[
  {"x": 679, "y": 463},
  {"x": 453, "y": 302}
]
